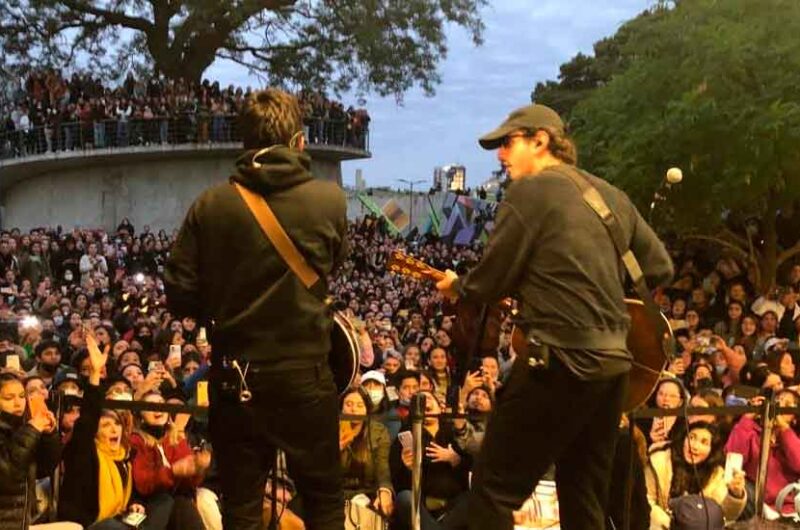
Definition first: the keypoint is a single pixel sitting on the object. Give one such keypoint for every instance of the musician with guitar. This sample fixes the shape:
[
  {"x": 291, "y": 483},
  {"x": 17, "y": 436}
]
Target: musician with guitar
[
  {"x": 270, "y": 383},
  {"x": 551, "y": 251}
]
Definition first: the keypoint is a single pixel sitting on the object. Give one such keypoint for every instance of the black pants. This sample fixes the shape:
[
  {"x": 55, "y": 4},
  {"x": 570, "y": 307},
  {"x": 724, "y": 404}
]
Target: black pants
[
  {"x": 295, "y": 411},
  {"x": 544, "y": 417}
]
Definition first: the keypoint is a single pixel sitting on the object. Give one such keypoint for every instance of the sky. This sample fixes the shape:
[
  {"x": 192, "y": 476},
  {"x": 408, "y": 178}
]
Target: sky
[{"x": 525, "y": 42}]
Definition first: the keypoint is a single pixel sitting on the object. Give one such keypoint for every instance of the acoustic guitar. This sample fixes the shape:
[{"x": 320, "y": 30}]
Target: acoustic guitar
[{"x": 647, "y": 340}]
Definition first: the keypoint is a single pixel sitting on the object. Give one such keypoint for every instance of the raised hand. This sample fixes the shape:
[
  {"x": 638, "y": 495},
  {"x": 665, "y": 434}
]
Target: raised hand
[{"x": 97, "y": 358}]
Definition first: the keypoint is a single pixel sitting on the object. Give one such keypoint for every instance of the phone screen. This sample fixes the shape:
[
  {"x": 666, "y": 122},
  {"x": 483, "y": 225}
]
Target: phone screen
[{"x": 12, "y": 362}]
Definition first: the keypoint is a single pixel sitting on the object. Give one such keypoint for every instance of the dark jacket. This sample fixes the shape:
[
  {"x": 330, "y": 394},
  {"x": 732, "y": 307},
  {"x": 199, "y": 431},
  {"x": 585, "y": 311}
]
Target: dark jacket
[
  {"x": 79, "y": 500},
  {"x": 440, "y": 480},
  {"x": 550, "y": 250},
  {"x": 223, "y": 268},
  {"x": 25, "y": 455}
]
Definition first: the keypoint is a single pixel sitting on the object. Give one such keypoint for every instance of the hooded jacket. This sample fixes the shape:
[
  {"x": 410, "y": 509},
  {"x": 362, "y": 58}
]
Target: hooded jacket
[{"x": 223, "y": 268}]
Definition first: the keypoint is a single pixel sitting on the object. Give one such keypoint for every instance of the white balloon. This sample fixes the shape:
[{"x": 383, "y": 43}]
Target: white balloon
[{"x": 674, "y": 175}]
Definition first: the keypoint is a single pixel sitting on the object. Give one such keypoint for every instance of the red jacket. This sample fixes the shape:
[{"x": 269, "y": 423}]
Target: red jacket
[{"x": 151, "y": 476}]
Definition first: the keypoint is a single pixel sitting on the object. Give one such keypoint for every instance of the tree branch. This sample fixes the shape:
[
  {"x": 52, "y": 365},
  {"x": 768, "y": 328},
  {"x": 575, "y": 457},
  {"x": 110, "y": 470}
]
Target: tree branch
[
  {"x": 727, "y": 244},
  {"x": 735, "y": 237},
  {"x": 788, "y": 253},
  {"x": 113, "y": 17}
]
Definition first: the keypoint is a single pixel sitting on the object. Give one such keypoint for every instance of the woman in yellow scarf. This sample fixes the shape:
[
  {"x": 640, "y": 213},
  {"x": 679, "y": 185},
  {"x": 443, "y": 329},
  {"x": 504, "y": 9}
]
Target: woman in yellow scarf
[{"x": 97, "y": 471}]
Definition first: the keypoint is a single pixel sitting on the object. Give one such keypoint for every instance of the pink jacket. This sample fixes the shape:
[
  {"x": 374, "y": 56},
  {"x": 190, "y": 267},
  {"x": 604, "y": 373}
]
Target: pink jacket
[{"x": 783, "y": 466}]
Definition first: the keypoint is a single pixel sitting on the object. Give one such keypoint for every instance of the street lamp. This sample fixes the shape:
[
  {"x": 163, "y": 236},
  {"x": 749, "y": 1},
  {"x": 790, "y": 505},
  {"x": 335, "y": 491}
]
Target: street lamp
[{"x": 411, "y": 184}]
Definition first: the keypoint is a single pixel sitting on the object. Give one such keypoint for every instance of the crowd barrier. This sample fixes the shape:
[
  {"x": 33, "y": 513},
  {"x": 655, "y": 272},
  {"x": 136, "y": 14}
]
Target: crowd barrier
[
  {"x": 176, "y": 129},
  {"x": 766, "y": 414}
]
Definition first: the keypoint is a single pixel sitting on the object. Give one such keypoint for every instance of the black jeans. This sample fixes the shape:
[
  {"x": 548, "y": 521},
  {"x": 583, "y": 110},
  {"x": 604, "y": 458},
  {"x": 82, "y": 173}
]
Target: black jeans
[
  {"x": 546, "y": 417},
  {"x": 292, "y": 410}
]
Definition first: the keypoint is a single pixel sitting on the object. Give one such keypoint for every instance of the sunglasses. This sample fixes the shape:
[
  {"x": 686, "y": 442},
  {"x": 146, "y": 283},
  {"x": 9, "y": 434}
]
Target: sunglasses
[{"x": 508, "y": 140}]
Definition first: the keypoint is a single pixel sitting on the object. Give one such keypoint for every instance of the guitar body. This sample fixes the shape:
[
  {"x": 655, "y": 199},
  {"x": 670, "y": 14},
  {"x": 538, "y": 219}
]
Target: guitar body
[
  {"x": 648, "y": 339},
  {"x": 647, "y": 346},
  {"x": 345, "y": 352}
]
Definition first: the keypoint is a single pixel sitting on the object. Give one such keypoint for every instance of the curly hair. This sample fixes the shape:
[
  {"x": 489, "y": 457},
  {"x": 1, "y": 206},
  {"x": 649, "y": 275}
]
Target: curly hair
[
  {"x": 561, "y": 146},
  {"x": 270, "y": 117}
]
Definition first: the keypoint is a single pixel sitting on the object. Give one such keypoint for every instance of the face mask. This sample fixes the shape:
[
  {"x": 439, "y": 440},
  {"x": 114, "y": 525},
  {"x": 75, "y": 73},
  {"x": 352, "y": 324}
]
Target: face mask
[
  {"x": 376, "y": 396},
  {"x": 58, "y": 321},
  {"x": 405, "y": 402},
  {"x": 49, "y": 368},
  {"x": 68, "y": 276},
  {"x": 78, "y": 393},
  {"x": 721, "y": 368}
]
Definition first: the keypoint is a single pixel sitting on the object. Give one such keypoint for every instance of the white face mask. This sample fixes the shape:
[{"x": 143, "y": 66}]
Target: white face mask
[
  {"x": 122, "y": 396},
  {"x": 376, "y": 396},
  {"x": 58, "y": 321}
]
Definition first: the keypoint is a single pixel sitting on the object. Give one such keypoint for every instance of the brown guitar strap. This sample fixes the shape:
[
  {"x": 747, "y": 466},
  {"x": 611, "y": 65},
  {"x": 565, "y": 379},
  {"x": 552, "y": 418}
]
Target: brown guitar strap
[
  {"x": 596, "y": 202},
  {"x": 283, "y": 244}
]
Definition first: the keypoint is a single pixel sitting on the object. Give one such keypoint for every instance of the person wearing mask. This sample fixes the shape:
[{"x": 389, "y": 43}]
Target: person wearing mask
[
  {"x": 29, "y": 449},
  {"x": 97, "y": 486},
  {"x": 374, "y": 384},
  {"x": 48, "y": 361},
  {"x": 166, "y": 472},
  {"x": 364, "y": 447},
  {"x": 690, "y": 465}
]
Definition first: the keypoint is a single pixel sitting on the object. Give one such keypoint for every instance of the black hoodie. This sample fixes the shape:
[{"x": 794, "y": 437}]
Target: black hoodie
[{"x": 223, "y": 268}]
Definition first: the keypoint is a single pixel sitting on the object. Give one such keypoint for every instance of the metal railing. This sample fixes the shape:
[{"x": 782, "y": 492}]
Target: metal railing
[{"x": 177, "y": 129}]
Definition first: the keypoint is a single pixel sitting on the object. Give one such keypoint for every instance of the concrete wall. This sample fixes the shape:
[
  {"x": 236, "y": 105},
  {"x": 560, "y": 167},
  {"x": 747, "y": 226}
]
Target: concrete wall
[{"x": 100, "y": 191}]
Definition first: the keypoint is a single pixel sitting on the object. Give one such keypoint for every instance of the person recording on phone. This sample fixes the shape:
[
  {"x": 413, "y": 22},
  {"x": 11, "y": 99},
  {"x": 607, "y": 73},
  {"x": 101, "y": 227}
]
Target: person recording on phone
[
  {"x": 28, "y": 441},
  {"x": 688, "y": 465},
  {"x": 444, "y": 471},
  {"x": 783, "y": 467},
  {"x": 270, "y": 384}
]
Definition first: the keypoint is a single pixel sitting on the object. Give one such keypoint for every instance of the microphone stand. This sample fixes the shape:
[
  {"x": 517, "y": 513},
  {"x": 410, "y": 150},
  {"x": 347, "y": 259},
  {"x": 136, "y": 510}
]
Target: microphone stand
[{"x": 417, "y": 418}]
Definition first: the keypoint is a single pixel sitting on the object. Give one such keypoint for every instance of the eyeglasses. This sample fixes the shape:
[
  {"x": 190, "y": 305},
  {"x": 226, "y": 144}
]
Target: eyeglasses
[{"x": 508, "y": 140}]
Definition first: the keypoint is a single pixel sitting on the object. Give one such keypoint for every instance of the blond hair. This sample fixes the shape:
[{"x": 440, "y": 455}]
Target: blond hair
[{"x": 270, "y": 117}]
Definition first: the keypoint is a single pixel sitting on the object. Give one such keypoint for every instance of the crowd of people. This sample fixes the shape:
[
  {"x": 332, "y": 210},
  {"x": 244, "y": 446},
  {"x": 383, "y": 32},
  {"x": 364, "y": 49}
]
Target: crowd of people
[
  {"x": 47, "y": 112},
  {"x": 84, "y": 319}
]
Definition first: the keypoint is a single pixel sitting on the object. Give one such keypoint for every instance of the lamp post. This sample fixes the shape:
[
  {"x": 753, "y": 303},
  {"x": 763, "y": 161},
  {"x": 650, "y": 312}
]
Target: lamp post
[{"x": 411, "y": 184}]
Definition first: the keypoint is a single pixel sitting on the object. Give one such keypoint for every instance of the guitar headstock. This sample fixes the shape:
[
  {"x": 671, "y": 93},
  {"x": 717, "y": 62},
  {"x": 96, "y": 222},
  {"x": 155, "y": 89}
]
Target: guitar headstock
[{"x": 403, "y": 264}]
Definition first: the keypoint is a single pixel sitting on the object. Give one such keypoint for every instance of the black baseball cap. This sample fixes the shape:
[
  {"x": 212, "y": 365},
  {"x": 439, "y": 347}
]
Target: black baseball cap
[{"x": 530, "y": 117}]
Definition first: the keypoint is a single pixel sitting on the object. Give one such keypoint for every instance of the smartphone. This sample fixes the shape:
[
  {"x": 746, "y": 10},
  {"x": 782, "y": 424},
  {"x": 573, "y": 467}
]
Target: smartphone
[
  {"x": 201, "y": 335},
  {"x": 154, "y": 365},
  {"x": 733, "y": 463},
  {"x": 391, "y": 392},
  {"x": 202, "y": 394},
  {"x": 174, "y": 354},
  {"x": 12, "y": 362},
  {"x": 134, "y": 519},
  {"x": 406, "y": 440},
  {"x": 36, "y": 405}
]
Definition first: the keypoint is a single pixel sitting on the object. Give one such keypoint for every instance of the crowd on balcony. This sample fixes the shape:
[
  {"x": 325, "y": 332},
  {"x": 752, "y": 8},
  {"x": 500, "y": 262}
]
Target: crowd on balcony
[{"x": 48, "y": 112}]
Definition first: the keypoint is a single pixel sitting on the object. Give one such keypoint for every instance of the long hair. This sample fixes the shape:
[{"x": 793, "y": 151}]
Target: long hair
[
  {"x": 561, "y": 146},
  {"x": 689, "y": 478},
  {"x": 270, "y": 117},
  {"x": 360, "y": 449}
]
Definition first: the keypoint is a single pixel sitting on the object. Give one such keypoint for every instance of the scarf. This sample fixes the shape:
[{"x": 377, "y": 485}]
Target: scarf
[{"x": 113, "y": 494}]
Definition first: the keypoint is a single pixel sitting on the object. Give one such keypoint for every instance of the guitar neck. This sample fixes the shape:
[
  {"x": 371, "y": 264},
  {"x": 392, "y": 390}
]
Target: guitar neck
[{"x": 408, "y": 266}]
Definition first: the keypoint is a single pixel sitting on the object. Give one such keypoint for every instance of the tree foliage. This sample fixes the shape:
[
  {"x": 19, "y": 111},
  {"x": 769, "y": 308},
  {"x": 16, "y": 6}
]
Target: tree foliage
[
  {"x": 385, "y": 46},
  {"x": 711, "y": 87}
]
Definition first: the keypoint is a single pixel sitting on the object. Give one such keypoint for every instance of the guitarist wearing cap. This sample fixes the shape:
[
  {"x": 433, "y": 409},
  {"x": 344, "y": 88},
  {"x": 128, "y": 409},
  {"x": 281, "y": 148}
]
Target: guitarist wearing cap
[{"x": 551, "y": 251}]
